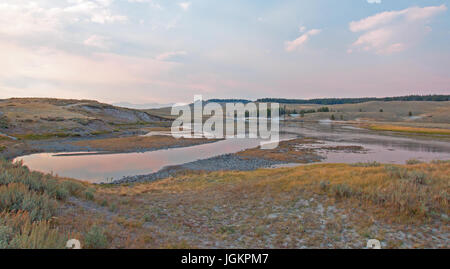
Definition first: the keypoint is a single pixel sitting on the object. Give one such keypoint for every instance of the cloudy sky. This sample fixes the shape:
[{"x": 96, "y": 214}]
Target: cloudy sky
[{"x": 143, "y": 51}]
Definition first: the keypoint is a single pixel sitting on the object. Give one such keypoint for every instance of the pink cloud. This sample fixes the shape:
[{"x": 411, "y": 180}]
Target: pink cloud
[
  {"x": 393, "y": 31},
  {"x": 301, "y": 40}
]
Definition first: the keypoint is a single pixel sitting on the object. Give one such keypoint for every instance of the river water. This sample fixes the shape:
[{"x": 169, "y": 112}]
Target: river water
[{"x": 384, "y": 148}]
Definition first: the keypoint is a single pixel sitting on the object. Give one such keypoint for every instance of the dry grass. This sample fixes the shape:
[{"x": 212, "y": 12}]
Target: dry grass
[
  {"x": 419, "y": 193},
  {"x": 28, "y": 207},
  {"x": 398, "y": 111},
  {"x": 294, "y": 151},
  {"x": 316, "y": 206},
  {"x": 277, "y": 207},
  {"x": 157, "y": 129},
  {"x": 138, "y": 142},
  {"x": 41, "y": 118},
  {"x": 18, "y": 231},
  {"x": 33, "y": 109},
  {"x": 285, "y": 152},
  {"x": 406, "y": 129}
]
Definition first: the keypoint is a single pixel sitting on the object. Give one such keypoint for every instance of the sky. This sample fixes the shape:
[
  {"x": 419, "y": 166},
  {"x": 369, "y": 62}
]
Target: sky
[{"x": 163, "y": 51}]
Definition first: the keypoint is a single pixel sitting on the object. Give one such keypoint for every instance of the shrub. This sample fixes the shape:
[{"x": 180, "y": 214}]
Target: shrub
[
  {"x": 89, "y": 194},
  {"x": 95, "y": 238},
  {"x": 324, "y": 185},
  {"x": 226, "y": 229},
  {"x": 104, "y": 203},
  {"x": 16, "y": 196},
  {"x": 440, "y": 161},
  {"x": 367, "y": 164},
  {"x": 4, "y": 122},
  {"x": 415, "y": 177},
  {"x": 396, "y": 172},
  {"x": 323, "y": 109},
  {"x": 38, "y": 235},
  {"x": 148, "y": 217},
  {"x": 113, "y": 207},
  {"x": 418, "y": 177},
  {"x": 413, "y": 161},
  {"x": 342, "y": 191},
  {"x": 27, "y": 201},
  {"x": 17, "y": 230},
  {"x": 6, "y": 234},
  {"x": 72, "y": 187},
  {"x": 37, "y": 182}
]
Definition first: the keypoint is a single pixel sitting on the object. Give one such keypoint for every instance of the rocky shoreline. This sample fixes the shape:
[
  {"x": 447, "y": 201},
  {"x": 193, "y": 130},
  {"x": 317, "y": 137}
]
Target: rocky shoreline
[{"x": 227, "y": 162}]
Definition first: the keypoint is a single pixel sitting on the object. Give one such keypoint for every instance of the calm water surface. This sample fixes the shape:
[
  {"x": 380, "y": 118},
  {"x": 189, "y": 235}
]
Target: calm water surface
[{"x": 104, "y": 167}]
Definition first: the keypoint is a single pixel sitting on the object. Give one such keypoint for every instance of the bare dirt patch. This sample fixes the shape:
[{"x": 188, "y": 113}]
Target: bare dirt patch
[
  {"x": 138, "y": 143},
  {"x": 287, "y": 152},
  {"x": 317, "y": 206}
]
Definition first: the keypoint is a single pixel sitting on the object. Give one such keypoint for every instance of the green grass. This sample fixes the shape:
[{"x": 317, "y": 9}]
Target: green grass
[
  {"x": 100, "y": 132},
  {"x": 366, "y": 164},
  {"x": 407, "y": 129},
  {"x": 18, "y": 231},
  {"x": 96, "y": 238},
  {"x": 138, "y": 123},
  {"x": 46, "y": 136},
  {"x": 28, "y": 202},
  {"x": 29, "y": 215},
  {"x": 412, "y": 162},
  {"x": 4, "y": 123}
]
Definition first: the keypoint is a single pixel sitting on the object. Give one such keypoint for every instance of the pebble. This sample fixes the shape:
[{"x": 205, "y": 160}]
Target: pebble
[{"x": 227, "y": 162}]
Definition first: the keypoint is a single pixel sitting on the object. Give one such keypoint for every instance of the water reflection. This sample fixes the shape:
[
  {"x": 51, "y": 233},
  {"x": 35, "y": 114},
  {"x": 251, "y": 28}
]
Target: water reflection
[
  {"x": 97, "y": 167},
  {"x": 345, "y": 133},
  {"x": 102, "y": 167}
]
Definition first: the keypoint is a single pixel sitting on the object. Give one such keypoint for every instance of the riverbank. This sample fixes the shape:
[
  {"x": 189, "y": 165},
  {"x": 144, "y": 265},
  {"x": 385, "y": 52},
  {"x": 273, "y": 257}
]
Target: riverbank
[
  {"x": 316, "y": 206},
  {"x": 288, "y": 152},
  {"x": 105, "y": 144}
]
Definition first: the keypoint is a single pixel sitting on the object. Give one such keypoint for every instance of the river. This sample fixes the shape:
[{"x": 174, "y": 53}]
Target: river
[{"x": 380, "y": 147}]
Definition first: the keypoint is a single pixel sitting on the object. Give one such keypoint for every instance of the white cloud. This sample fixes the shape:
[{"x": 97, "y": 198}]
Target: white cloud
[
  {"x": 374, "y": 1},
  {"x": 293, "y": 45},
  {"x": 97, "y": 42},
  {"x": 51, "y": 72},
  {"x": 393, "y": 31},
  {"x": 185, "y": 5},
  {"x": 170, "y": 56},
  {"x": 29, "y": 18},
  {"x": 150, "y": 2},
  {"x": 105, "y": 3},
  {"x": 95, "y": 11}
]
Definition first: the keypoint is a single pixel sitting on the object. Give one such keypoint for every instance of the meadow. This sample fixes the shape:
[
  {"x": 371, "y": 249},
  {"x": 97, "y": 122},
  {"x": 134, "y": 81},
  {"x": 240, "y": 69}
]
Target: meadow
[
  {"x": 309, "y": 206},
  {"x": 314, "y": 206},
  {"x": 29, "y": 209}
]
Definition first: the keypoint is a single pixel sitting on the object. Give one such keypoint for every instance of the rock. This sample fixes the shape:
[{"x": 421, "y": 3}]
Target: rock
[
  {"x": 227, "y": 162},
  {"x": 302, "y": 203}
]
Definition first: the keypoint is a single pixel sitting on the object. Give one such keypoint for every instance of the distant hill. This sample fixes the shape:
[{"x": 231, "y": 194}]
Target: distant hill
[
  {"x": 338, "y": 101},
  {"x": 141, "y": 106},
  {"x": 244, "y": 101},
  {"x": 66, "y": 117}
]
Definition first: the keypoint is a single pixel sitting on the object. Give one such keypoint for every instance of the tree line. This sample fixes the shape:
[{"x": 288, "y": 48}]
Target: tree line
[{"x": 338, "y": 101}]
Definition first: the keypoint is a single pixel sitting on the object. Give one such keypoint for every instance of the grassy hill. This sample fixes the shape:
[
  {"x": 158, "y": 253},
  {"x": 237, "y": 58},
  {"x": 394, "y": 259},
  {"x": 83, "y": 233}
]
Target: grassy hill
[
  {"x": 427, "y": 113},
  {"x": 43, "y": 117},
  {"x": 396, "y": 111}
]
